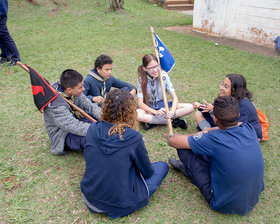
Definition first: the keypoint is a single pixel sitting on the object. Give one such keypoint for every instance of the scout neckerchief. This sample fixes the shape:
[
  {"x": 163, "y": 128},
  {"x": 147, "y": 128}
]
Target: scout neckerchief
[
  {"x": 76, "y": 113},
  {"x": 101, "y": 79},
  {"x": 153, "y": 89}
]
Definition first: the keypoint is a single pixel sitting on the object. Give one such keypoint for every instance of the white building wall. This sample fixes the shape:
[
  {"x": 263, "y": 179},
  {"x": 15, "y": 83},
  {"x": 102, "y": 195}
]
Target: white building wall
[{"x": 256, "y": 21}]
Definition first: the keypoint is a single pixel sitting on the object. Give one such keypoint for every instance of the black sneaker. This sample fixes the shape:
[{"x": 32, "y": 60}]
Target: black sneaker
[
  {"x": 177, "y": 122},
  {"x": 13, "y": 63},
  {"x": 3, "y": 60},
  {"x": 148, "y": 126},
  {"x": 178, "y": 165},
  {"x": 182, "y": 124}
]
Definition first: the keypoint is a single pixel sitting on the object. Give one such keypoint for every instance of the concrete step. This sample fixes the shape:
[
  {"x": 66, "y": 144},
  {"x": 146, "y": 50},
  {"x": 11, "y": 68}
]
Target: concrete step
[
  {"x": 178, "y": 2},
  {"x": 179, "y": 6}
]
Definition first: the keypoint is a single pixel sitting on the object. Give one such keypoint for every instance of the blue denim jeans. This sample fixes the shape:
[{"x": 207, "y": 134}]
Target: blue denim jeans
[
  {"x": 7, "y": 44},
  {"x": 161, "y": 169}
]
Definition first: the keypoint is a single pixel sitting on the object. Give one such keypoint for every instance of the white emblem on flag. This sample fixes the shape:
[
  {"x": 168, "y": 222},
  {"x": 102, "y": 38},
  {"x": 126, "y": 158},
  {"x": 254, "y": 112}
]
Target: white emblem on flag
[{"x": 166, "y": 60}]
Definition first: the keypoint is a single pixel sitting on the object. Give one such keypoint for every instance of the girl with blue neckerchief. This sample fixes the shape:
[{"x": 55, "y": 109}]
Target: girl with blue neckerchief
[{"x": 151, "y": 109}]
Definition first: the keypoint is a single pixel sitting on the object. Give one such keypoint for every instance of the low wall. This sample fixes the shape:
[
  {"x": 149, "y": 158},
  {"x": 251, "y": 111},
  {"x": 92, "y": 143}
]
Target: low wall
[{"x": 256, "y": 21}]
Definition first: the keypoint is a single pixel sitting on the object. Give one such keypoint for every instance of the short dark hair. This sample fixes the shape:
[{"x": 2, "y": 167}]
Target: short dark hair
[
  {"x": 239, "y": 87},
  {"x": 102, "y": 60},
  {"x": 226, "y": 110},
  {"x": 70, "y": 78}
]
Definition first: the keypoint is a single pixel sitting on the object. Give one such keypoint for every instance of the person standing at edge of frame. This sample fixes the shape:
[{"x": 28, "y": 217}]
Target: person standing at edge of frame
[{"x": 9, "y": 51}]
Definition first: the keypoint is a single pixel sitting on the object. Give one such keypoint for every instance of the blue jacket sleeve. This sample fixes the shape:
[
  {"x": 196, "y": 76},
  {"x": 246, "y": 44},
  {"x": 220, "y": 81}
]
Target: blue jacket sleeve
[
  {"x": 120, "y": 84},
  {"x": 92, "y": 87},
  {"x": 87, "y": 87},
  {"x": 142, "y": 160},
  {"x": 243, "y": 115}
]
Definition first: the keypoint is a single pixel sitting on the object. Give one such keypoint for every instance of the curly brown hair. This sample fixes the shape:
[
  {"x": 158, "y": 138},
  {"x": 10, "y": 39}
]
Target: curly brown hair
[{"x": 119, "y": 108}]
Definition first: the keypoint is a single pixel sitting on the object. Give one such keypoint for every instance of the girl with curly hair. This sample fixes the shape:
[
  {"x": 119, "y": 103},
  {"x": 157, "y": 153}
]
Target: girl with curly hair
[
  {"x": 119, "y": 177},
  {"x": 151, "y": 109}
]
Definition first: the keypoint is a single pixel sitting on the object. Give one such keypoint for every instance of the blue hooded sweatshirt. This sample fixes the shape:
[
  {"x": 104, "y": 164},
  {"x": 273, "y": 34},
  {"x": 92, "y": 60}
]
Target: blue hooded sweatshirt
[{"x": 115, "y": 170}]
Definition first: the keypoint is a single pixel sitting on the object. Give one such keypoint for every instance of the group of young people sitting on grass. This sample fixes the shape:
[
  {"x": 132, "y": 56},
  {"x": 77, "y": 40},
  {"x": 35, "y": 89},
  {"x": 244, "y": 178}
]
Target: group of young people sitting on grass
[{"x": 224, "y": 159}]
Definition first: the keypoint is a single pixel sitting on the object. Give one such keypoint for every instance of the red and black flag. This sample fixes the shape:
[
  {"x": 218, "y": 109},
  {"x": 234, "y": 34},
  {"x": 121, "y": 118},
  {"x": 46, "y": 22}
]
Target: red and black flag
[{"x": 43, "y": 93}]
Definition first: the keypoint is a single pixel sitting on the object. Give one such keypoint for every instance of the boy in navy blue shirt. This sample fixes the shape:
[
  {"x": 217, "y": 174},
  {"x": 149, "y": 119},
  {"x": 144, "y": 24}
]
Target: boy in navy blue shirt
[
  {"x": 225, "y": 164},
  {"x": 99, "y": 81}
]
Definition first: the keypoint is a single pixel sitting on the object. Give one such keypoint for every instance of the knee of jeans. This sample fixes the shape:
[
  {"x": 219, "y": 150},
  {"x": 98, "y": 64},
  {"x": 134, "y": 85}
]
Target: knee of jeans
[{"x": 161, "y": 165}]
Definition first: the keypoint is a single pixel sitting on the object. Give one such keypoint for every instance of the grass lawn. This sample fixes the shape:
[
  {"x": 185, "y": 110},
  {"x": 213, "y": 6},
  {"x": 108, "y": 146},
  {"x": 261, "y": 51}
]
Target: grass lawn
[{"x": 37, "y": 187}]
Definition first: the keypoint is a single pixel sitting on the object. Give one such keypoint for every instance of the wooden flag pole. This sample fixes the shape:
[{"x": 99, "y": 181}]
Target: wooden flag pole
[
  {"x": 82, "y": 112},
  {"x": 169, "y": 124}
]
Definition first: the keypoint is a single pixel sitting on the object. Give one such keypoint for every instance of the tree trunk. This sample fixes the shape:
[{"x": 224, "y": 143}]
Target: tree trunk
[{"x": 116, "y": 4}]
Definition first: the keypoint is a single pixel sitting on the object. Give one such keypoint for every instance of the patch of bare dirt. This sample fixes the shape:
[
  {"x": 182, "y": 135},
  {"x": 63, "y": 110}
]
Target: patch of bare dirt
[
  {"x": 239, "y": 44},
  {"x": 13, "y": 181}
]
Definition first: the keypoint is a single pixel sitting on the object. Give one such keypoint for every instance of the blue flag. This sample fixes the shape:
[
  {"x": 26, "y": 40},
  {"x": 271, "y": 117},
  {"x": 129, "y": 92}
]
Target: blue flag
[{"x": 166, "y": 60}]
